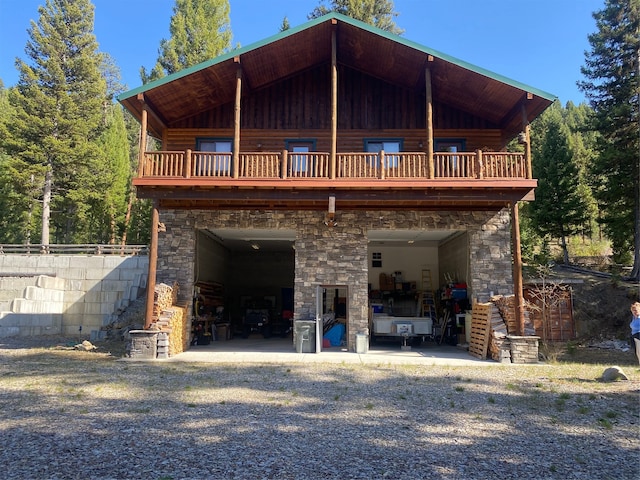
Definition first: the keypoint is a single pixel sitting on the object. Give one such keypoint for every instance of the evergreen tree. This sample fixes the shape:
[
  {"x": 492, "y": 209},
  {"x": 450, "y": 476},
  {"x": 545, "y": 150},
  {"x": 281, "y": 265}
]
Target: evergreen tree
[
  {"x": 108, "y": 213},
  {"x": 378, "y": 13},
  {"x": 200, "y": 30},
  {"x": 58, "y": 104},
  {"x": 612, "y": 86},
  {"x": 559, "y": 210},
  {"x": 16, "y": 203},
  {"x": 285, "y": 24}
]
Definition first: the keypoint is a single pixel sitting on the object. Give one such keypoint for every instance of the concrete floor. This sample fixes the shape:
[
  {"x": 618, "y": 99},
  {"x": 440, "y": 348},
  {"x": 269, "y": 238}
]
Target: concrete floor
[{"x": 256, "y": 349}]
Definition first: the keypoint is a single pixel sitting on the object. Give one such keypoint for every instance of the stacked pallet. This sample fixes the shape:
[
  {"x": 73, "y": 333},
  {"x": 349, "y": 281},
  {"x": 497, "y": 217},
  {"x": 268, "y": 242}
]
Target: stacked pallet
[{"x": 480, "y": 328}]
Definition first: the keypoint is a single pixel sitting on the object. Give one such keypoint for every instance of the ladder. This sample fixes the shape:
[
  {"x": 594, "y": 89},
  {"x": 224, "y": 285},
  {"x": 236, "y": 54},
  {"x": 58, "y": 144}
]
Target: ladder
[{"x": 427, "y": 296}]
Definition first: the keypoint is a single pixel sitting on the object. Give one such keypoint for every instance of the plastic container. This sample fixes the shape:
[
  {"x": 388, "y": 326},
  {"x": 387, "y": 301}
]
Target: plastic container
[
  {"x": 304, "y": 332},
  {"x": 362, "y": 343}
]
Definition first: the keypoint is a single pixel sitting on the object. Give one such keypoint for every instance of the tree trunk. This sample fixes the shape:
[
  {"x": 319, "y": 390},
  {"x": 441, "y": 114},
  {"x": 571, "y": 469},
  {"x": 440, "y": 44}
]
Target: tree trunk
[
  {"x": 565, "y": 250},
  {"x": 635, "y": 271},
  {"x": 127, "y": 218},
  {"x": 46, "y": 207}
]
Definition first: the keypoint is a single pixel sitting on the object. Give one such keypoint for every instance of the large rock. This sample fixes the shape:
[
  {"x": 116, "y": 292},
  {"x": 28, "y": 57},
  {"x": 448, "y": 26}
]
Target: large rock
[{"x": 612, "y": 374}]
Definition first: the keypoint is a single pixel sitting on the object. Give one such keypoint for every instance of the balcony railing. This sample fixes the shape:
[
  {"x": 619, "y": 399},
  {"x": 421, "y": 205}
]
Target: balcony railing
[{"x": 352, "y": 166}]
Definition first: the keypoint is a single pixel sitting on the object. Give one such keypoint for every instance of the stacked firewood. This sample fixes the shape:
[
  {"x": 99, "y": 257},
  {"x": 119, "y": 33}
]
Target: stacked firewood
[
  {"x": 170, "y": 320},
  {"x": 164, "y": 296},
  {"x": 506, "y": 305}
]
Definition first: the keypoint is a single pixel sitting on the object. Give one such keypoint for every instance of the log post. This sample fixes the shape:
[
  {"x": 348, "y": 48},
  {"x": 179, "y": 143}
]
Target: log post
[
  {"x": 334, "y": 103},
  {"x": 153, "y": 263},
  {"x": 479, "y": 174},
  {"x": 236, "y": 120},
  {"x": 429, "y": 119},
  {"x": 517, "y": 268},
  {"x": 527, "y": 141},
  {"x": 283, "y": 164},
  {"x": 143, "y": 141},
  {"x": 187, "y": 164},
  {"x": 381, "y": 163}
]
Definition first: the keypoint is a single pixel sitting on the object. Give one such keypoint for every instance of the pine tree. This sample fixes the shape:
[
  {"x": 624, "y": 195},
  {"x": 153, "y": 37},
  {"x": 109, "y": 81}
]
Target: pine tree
[
  {"x": 200, "y": 30},
  {"x": 16, "y": 203},
  {"x": 285, "y": 25},
  {"x": 58, "y": 107},
  {"x": 378, "y": 13},
  {"x": 612, "y": 86},
  {"x": 559, "y": 210}
]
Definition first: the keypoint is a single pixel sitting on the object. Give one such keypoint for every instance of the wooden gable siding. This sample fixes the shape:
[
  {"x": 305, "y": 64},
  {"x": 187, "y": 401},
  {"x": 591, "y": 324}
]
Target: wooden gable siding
[
  {"x": 303, "y": 102},
  {"x": 255, "y": 140}
]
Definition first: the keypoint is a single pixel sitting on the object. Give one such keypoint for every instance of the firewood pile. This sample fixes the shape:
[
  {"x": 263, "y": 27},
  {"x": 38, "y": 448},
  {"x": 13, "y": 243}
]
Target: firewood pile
[
  {"x": 164, "y": 297},
  {"x": 499, "y": 344},
  {"x": 170, "y": 320},
  {"x": 506, "y": 305}
]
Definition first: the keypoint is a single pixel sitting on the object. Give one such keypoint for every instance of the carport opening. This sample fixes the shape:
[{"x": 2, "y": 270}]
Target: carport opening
[
  {"x": 419, "y": 287},
  {"x": 243, "y": 285}
]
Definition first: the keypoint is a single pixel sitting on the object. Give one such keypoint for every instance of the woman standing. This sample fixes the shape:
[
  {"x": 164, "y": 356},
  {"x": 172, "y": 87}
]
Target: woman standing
[{"x": 635, "y": 327}]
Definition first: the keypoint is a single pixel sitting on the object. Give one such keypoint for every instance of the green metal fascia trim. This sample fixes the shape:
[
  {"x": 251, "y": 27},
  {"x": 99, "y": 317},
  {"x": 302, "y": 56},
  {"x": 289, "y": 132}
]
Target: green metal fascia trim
[{"x": 355, "y": 23}]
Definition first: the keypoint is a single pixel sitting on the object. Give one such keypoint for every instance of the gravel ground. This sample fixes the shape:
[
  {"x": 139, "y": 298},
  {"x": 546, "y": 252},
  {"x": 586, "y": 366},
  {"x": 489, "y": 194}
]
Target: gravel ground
[{"x": 71, "y": 414}]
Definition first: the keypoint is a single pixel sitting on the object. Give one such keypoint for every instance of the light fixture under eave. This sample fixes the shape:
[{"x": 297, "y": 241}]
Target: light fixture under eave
[
  {"x": 330, "y": 217},
  {"x": 255, "y": 246}
]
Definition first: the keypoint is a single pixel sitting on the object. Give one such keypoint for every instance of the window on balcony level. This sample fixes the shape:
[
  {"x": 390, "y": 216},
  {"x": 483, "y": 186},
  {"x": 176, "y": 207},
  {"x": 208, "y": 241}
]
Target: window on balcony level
[
  {"x": 213, "y": 157},
  {"x": 300, "y": 164},
  {"x": 389, "y": 145}
]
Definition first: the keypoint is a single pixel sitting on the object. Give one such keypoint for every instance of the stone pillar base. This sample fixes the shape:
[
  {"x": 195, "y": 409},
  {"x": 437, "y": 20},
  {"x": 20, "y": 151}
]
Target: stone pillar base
[
  {"x": 524, "y": 349},
  {"x": 143, "y": 344}
]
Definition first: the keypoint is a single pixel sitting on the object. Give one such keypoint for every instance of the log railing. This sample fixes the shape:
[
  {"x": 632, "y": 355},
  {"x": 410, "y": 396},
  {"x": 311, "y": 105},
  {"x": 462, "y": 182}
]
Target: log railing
[{"x": 317, "y": 165}]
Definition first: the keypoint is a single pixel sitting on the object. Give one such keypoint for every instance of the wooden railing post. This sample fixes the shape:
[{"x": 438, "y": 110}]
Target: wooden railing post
[
  {"x": 381, "y": 163},
  {"x": 479, "y": 163},
  {"x": 187, "y": 164},
  {"x": 283, "y": 164}
]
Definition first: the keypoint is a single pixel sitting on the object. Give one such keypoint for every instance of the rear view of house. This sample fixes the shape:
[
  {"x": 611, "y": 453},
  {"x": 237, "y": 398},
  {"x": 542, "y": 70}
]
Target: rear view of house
[{"x": 299, "y": 174}]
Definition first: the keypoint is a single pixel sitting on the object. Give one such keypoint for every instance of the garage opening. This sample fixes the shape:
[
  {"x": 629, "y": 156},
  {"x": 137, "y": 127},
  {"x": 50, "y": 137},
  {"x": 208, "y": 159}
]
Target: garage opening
[
  {"x": 243, "y": 287},
  {"x": 418, "y": 287}
]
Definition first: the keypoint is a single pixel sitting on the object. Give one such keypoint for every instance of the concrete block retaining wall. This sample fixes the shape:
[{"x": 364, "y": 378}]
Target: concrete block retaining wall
[{"x": 66, "y": 294}]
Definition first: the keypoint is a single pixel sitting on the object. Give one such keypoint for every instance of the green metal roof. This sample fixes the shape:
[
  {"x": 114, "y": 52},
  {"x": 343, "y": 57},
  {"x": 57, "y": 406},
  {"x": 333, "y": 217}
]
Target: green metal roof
[{"x": 356, "y": 23}]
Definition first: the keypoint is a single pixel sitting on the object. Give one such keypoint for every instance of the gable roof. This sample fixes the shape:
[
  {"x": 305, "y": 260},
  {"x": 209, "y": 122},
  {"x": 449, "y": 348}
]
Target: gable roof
[{"x": 360, "y": 46}]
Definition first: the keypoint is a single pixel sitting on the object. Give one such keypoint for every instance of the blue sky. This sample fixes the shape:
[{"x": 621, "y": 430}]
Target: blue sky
[{"x": 540, "y": 43}]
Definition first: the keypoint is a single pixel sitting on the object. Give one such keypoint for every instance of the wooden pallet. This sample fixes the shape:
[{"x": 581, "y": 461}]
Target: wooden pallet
[{"x": 480, "y": 329}]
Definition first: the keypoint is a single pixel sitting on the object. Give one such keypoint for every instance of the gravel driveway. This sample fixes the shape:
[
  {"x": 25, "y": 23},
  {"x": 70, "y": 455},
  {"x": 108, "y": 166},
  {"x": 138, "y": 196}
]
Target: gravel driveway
[{"x": 70, "y": 414}]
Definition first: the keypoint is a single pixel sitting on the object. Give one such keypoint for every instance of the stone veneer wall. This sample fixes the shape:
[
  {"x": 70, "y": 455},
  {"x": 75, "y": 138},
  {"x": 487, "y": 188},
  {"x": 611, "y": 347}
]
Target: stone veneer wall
[{"x": 338, "y": 256}]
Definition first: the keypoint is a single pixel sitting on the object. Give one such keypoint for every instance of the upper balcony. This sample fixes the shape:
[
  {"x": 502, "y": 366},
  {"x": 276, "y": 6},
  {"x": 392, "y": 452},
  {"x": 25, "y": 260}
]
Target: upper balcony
[
  {"x": 315, "y": 169},
  {"x": 469, "y": 180}
]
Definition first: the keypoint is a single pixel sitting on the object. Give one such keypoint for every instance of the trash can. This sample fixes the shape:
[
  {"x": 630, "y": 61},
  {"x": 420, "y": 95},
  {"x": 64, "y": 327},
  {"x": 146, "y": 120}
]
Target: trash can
[
  {"x": 304, "y": 332},
  {"x": 362, "y": 343}
]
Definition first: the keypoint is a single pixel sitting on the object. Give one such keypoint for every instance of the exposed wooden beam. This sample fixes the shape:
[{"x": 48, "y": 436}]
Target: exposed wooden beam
[
  {"x": 143, "y": 140},
  {"x": 527, "y": 138},
  {"x": 334, "y": 102},
  {"x": 150, "y": 110},
  {"x": 517, "y": 268},
  {"x": 515, "y": 112},
  {"x": 236, "y": 119},
  {"x": 153, "y": 265},
  {"x": 429, "y": 120}
]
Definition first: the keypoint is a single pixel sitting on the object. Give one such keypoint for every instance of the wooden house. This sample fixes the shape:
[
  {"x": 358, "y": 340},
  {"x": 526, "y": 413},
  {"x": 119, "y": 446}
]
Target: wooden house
[{"x": 298, "y": 169}]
